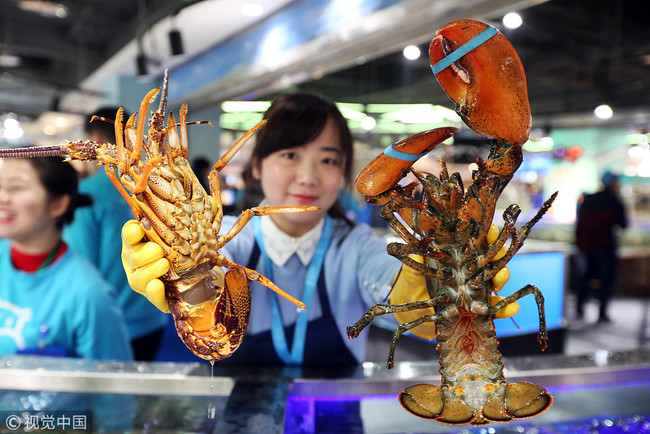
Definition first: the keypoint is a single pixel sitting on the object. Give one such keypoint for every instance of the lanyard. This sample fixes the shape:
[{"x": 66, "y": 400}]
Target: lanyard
[
  {"x": 50, "y": 257},
  {"x": 295, "y": 356}
]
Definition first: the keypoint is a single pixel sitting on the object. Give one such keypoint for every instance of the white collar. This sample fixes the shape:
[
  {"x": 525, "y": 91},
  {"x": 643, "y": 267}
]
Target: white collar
[{"x": 280, "y": 246}]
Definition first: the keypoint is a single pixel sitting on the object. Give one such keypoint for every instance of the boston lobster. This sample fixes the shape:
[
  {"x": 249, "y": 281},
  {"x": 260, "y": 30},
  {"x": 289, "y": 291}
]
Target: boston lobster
[{"x": 450, "y": 228}]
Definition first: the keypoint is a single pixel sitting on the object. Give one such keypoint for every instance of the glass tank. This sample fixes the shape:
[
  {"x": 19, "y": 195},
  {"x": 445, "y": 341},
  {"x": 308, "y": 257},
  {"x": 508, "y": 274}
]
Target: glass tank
[{"x": 600, "y": 392}]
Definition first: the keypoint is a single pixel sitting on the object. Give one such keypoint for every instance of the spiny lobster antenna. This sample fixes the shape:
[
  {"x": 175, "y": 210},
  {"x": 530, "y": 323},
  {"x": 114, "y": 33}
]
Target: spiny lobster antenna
[
  {"x": 34, "y": 151},
  {"x": 162, "y": 108}
]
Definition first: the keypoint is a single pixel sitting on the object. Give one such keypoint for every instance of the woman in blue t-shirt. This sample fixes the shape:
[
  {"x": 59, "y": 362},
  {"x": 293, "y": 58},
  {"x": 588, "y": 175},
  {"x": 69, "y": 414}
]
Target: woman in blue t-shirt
[{"x": 52, "y": 301}]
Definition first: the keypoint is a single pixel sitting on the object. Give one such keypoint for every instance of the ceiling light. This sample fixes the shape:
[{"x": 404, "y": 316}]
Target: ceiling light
[
  {"x": 245, "y": 106},
  {"x": 546, "y": 142},
  {"x": 49, "y": 130},
  {"x": 61, "y": 122},
  {"x": 419, "y": 114},
  {"x": 411, "y": 52},
  {"x": 351, "y": 113},
  {"x": 603, "y": 111},
  {"x": 11, "y": 122},
  {"x": 512, "y": 20},
  {"x": 10, "y": 61},
  {"x": 368, "y": 123},
  {"x": 252, "y": 9},
  {"x": 48, "y": 9},
  {"x": 12, "y": 130}
]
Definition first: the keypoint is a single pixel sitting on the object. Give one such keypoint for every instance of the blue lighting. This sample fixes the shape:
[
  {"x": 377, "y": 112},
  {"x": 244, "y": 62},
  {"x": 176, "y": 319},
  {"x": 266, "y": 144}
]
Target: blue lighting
[{"x": 592, "y": 408}]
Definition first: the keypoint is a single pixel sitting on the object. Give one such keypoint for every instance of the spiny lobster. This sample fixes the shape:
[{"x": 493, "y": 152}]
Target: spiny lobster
[
  {"x": 211, "y": 310},
  {"x": 481, "y": 72}
]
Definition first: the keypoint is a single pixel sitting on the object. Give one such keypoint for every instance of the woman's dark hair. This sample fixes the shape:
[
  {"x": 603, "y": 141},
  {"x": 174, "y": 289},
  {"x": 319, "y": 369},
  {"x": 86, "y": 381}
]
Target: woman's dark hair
[
  {"x": 60, "y": 179},
  {"x": 294, "y": 120}
]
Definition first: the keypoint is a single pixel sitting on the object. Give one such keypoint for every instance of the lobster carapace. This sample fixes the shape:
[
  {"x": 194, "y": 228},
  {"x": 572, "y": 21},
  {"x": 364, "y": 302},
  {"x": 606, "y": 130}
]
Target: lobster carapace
[{"x": 448, "y": 226}]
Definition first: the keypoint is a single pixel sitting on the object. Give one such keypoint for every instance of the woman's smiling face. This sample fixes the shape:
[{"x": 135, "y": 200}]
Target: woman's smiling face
[
  {"x": 311, "y": 174},
  {"x": 25, "y": 208}
]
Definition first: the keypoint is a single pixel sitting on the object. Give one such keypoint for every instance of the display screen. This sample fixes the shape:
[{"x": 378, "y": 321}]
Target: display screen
[{"x": 545, "y": 271}]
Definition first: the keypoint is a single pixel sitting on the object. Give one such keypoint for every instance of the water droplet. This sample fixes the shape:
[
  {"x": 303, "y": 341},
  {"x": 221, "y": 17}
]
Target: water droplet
[{"x": 212, "y": 377}]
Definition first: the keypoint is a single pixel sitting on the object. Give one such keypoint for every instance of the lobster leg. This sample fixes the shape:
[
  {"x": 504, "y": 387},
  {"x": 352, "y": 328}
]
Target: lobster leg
[
  {"x": 382, "y": 309},
  {"x": 402, "y": 252},
  {"x": 152, "y": 161},
  {"x": 225, "y": 158},
  {"x": 542, "y": 336},
  {"x": 213, "y": 177},
  {"x": 135, "y": 207},
  {"x": 404, "y": 328},
  {"x": 248, "y": 214},
  {"x": 398, "y": 203},
  {"x": 495, "y": 248},
  {"x": 254, "y": 275},
  {"x": 136, "y": 153},
  {"x": 520, "y": 238},
  {"x": 122, "y": 161}
]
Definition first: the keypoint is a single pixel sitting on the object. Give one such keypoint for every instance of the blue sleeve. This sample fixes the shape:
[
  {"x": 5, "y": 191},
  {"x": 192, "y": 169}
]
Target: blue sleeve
[{"x": 376, "y": 268}]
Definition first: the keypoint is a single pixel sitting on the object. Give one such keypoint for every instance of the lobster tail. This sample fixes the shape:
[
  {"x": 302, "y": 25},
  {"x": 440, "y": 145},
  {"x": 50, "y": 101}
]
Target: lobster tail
[
  {"x": 499, "y": 402},
  {"x": 212, "y": 323}
]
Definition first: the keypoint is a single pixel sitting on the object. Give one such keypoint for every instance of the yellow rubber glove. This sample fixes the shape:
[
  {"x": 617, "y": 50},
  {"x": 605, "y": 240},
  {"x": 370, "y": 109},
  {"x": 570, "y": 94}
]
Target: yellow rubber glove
[
  {"x": 410, "y": 286},
  {"x": 506, "y": 312},
  {"x": 500, "y": 279},
  {"x": 144, "y": 264}
]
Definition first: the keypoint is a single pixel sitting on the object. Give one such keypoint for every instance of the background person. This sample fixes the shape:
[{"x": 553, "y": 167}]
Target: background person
[
  {"x": 52, "y": 301},
  {"x": 93, "y": 234},
  {"x": 599, "y": 215}
]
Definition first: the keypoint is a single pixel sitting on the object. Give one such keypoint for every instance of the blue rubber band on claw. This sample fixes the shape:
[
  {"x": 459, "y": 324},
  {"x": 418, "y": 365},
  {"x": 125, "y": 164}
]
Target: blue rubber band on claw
[
  {"x": 468, "y": 46},
  {"x": 392, "y": 152}
]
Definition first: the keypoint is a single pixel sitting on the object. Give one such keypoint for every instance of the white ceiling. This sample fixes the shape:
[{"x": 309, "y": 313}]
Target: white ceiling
[{"x": 202, "y": 25}]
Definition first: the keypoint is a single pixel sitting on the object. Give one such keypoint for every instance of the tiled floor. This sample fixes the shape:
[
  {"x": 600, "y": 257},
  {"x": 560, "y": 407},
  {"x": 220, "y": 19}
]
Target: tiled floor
[{"x": 628, "y": 330}]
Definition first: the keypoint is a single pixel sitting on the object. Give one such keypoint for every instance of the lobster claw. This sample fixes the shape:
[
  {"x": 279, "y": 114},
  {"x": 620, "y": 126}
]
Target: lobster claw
[
  {"x": 487, "y": 82},
  {"x": 385, "y": 171}
]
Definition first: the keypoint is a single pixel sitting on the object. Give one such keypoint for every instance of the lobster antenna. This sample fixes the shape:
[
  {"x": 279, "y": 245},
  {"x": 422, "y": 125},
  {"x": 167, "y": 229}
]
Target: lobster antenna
[
  {"x": 162, "y": 108},
  {"x": 34, "y": 151}
]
